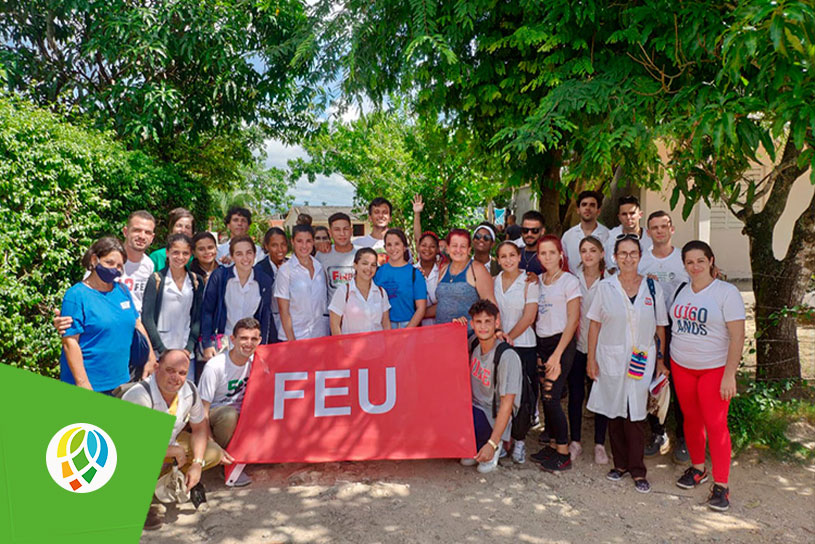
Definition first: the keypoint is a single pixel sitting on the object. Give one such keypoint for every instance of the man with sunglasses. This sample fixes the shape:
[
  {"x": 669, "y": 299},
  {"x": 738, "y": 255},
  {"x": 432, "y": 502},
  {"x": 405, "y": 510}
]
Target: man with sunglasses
[
  {"x": 629, "y": 213},
  {"x": 483, "y": 240},
  {"x": 531, "y": 231}
]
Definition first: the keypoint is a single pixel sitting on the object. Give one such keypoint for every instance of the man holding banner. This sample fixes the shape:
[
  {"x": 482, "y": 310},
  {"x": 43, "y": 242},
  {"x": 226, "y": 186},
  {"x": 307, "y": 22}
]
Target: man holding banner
[{"x": 495, "y": 373}]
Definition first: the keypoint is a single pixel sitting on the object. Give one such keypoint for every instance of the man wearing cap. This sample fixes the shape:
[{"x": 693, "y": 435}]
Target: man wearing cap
[
  {"x": 483, "y": 240},
  {"x": 168, "y": 390}
]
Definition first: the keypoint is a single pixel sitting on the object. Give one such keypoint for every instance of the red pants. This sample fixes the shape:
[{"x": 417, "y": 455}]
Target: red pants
[{"x": 705, "y": 413}]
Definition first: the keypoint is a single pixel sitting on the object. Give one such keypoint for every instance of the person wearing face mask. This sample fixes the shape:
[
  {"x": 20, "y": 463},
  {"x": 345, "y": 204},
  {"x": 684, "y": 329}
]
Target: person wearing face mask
[
  {"x": 96, "y": 344},
  {"x": 360, "y": 305}
]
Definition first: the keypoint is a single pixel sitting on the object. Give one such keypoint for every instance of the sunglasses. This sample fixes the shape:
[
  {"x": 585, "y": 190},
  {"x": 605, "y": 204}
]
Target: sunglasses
[
  {"x": 533, "y": 230},
  {"x": 627, "y": 237},
  {"x": 480, "y": 236}
]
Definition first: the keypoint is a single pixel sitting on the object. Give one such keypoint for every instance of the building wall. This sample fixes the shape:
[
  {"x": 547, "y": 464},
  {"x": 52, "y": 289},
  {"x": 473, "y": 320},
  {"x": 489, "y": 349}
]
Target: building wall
[{"x": 722, "y": 230}]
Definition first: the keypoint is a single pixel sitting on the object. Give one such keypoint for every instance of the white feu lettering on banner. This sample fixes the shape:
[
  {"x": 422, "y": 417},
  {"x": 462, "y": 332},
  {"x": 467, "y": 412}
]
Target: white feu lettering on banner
[
  {"x": 390, "y": 392},
  {"x": 321, "y": 392},
  {"x": 280, "y": 393}
]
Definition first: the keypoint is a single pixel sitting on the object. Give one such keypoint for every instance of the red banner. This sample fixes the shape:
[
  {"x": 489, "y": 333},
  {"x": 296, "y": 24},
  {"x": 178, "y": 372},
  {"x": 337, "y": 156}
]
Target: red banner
[{"x": 400, "y": 394}]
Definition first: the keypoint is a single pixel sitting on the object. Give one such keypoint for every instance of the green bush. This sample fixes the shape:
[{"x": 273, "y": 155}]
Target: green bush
[
  {"x": 61, "y": 187},
  {"x": 760, "y": 414}
]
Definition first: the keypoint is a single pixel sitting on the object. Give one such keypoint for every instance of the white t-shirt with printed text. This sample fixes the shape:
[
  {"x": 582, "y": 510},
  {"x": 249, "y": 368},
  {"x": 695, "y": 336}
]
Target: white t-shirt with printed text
[
  {"x": 223, "y": 383},
  {"x": 699, "y": 336},
  {"x": 135, "y": 276}
]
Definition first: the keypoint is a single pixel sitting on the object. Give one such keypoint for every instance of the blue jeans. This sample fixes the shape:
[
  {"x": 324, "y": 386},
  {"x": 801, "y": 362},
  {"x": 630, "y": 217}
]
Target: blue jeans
[{"x": 399, "y": 324}]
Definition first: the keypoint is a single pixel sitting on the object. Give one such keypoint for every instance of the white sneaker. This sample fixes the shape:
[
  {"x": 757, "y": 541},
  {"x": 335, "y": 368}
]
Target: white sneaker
[
  {"x": 519, "y": 452},
  {"x": 490, "y": 465},
  {"x": 575, "y": 449},
  {"x": 242, "y": 481},
  {"x": 503, "y": 453},
  {"x": 600, "y": 456},
  {"x": 467, "y": 462}
]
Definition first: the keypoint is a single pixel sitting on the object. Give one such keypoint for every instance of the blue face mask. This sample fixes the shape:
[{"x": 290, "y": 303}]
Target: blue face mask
[{"x": 107, "y": 275}]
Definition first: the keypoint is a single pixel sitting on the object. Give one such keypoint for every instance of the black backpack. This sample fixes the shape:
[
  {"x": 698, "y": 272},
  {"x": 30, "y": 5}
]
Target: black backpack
[{"x": 522, "y": 418}]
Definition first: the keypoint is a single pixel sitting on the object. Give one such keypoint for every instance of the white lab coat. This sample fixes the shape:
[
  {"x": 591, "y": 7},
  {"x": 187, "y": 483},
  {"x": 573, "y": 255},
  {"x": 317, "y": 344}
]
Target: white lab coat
[{"x": 624, "y": 326}]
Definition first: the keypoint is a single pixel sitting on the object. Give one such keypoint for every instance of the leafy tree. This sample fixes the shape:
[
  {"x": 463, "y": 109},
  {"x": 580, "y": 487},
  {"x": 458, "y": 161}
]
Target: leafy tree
[
  {"x": 541, "y": 88},
  {"x": 182, "y": 79},
  {"x": 388, "y": 154},
  {"x": 737, "y": 89},
  {"x": 570, "y": 94},
  {"x": 62, "y": 186}
]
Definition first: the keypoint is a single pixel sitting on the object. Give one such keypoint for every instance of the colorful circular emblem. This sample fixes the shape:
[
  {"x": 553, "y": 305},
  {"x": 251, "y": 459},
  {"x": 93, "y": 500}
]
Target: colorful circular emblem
[{"x": 81, "y": 458}]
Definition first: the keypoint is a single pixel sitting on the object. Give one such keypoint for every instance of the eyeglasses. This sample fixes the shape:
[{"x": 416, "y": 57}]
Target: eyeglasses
[
  {"x": 480, "y": 236},
  {"x": 622, "y": 255},
  {"x": 533, "y": 230}
]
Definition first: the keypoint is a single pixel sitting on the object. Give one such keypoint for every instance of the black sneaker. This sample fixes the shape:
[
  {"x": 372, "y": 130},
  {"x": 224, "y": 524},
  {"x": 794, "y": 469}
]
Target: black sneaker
[
  {"x": 657, "y": 443},
  {"x": 558, "y": 463},
  {"x": 547, "y": 452},
  {"x": 615, "y": 474},
  {"x": 543, "y": 438},
  {"x": 719, "y": 498},
  {"x": 681, "y": 455},
  {"x": 691, "y": 478},
  {"x": 642, "y": 485},
  {"x": 198, "y": 497}
]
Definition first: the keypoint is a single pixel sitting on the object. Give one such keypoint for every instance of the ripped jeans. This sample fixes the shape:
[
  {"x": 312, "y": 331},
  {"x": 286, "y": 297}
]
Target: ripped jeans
[{"x": 551, "y": 391}]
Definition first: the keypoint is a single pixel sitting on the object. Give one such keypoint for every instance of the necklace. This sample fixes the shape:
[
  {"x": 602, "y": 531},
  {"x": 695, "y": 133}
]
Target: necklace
[
  {"x": 526, "y": 260},
  {"x": 451, "y": 274},
  {"x": 552, "y": 278}
]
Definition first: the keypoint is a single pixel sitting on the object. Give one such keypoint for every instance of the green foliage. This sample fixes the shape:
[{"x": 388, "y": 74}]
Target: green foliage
[
  {"x": 61, "y": 187},
  {"x": 389, "y": 154},
  {"x": 759, "y": 416},
  {"x": 181, "y": 79}
]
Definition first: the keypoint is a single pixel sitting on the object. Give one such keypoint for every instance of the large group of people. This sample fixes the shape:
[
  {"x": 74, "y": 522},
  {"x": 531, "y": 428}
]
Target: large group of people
[{"x": 596, "y": 314}]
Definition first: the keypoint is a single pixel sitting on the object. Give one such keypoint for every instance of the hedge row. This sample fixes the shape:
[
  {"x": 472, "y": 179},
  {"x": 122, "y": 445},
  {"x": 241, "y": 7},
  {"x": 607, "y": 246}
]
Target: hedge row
[{"x": 61, "y": 187}]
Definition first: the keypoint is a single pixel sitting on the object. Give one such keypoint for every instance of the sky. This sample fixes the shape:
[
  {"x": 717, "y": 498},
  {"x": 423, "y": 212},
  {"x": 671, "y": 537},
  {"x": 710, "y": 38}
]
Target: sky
[{"x": 334, "y": 190}]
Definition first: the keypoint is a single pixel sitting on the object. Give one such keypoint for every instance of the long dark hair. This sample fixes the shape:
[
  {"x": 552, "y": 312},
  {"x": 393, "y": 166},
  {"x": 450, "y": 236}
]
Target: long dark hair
[
  {"x": 705, "y": 248},
  {"x": 401, "y": 235}
]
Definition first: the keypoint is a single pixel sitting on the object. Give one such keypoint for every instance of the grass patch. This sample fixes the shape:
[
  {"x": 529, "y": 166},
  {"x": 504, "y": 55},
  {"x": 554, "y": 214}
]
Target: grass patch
[{"x": 761, "y": 414}]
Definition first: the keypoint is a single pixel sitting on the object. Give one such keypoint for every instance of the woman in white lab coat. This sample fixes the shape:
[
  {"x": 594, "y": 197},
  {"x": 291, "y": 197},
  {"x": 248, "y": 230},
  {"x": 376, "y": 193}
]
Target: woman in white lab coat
[{"x": 626, "y": 314}]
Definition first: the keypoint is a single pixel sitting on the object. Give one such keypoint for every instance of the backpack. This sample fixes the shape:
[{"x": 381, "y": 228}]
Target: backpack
[{"x": 523, "y": 417}]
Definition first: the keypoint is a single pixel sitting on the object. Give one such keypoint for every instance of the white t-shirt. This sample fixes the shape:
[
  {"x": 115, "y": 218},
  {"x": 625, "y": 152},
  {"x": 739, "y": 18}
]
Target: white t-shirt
[
  {"x": 588, "y": 294},
  {"x": 240, "y": 300},
  {"x": 174, "y": 318},
  {"x": 376, "y": 244},
  {"x": 552, "y": 314},
  {"x": 699, "y": 337},
  {"x": 432, "y": 280},
  {"x": 669, "y": 271},
  {"x": 645, "y": 243},
  {"x": 223, "y": 251},
  {"x": 135, "y": 276},
  {"x": 511, "y": 304},
  {"x": 186, "y": 410},
  {"x": 307, "y": 298},
  {"x": 359, "y": 314},
  {"x": 571, "y": 242},
  {"x": 338, "y": 268},
  {"x": 223, "y": 383}
]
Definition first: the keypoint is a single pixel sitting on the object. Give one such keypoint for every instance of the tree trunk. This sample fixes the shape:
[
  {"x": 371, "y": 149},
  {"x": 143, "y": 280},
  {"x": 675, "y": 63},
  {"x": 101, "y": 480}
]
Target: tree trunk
[
  {"x": 779, "y": 284},
  {"x": 620, "y": 186},
  {"x": 548, "y": 183}
]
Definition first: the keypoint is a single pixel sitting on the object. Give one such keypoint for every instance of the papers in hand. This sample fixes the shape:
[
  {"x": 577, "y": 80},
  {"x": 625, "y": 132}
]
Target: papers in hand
[{"x": 657, "y": 384}]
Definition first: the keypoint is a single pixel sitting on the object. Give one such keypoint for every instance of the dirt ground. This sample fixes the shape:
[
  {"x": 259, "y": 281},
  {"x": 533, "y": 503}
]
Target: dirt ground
[{"x": 442, "y": 501}]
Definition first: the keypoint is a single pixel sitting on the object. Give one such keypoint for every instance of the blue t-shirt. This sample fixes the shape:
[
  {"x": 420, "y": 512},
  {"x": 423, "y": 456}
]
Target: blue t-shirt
[
  {"x": 105, "y": 323},
  {"x": 403, "y": 284}
]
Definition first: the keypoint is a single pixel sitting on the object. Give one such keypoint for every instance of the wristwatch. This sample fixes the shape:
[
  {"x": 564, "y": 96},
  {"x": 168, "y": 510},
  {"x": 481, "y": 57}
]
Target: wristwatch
[{"x": 200, "y": 462}]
